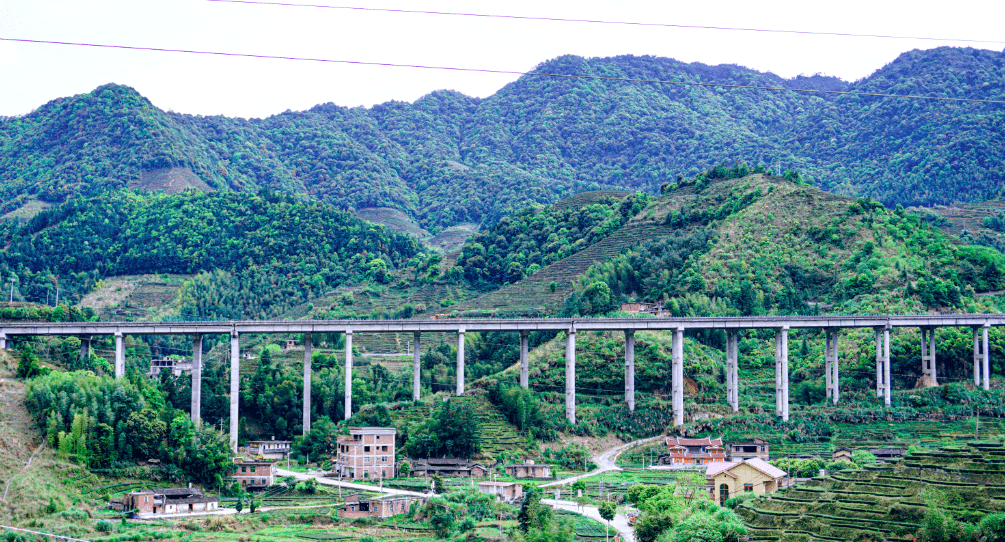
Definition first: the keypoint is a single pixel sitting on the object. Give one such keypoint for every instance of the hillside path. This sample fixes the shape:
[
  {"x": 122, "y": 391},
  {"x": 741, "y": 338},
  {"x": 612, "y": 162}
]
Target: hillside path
[
  {"x": 606, "y": 461},
  {"x": 619, "y": 524}
]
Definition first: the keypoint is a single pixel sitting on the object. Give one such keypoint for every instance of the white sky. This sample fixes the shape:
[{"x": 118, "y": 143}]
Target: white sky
[{"x": 31, "y": 74}]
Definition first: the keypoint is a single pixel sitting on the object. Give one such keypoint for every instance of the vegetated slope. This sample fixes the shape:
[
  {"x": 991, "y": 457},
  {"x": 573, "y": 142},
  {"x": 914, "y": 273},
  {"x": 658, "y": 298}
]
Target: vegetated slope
[
  {"x": 888, "y": 501},
  {"x": 255, "y": 254},
  {"x": 448, "y": 158}
]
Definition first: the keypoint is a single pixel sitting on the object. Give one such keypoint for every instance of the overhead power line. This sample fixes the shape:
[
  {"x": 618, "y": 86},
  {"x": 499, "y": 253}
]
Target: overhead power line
[
  {"x": 597, "y": 21},
  {"x": 503, "y": 72}
]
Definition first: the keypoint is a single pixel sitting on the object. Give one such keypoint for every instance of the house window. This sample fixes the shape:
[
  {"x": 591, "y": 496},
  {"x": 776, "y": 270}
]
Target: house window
[
  {"x": 748, "y": 488},
  {"x": 252, "y": 468},
  {"x": 366, "y": 448},
  {"x": 762, "y": 448},
  {"x": 723, "y": 493},
  {"x": 366, "y": 459},
  {"x": 383, "y": 459},
  {"x": 244, "y": 469}
]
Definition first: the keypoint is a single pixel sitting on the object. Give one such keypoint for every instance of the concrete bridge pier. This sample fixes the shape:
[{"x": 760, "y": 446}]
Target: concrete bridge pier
[
  {"x": 235, "y": 385},
  {"x": 524, "y": 359},
  {"x": 417, "y": 367},
  {"x": 732, "y": 370},
  {"x": 987, "y": 358},
  {"x": 782, "y": 373},
  {"x": 570, "y": 375},
  {"x": 196, "y": 406},
  {"x": 977, "y": 356},
  {"x": 928, "y": 362},
  {"x": 831, "y": 357},
  {"x": 879, "y": 362},
  {"x": 3, "y": 341},
  {"x": 120, "y": 355},
  {"x": 677, "y": 376},
  {"x": 630, "y": 369},
  {"x": 460, "y": 362},
  {"x": 348, "y": 373},
  {"x": 888, "y": 389},
  {"x": 85, "y": 348},
  {"x": 308, "y": 344}
]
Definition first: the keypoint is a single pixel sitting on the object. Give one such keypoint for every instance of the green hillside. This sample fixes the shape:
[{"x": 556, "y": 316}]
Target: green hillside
[{"x": 450, "y": 159}]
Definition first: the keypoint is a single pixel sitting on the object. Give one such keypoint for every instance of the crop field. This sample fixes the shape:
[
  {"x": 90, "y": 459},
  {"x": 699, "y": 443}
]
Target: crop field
[
  {"x": 884, "y": 501},
  {"x": 584, "y": 527}
]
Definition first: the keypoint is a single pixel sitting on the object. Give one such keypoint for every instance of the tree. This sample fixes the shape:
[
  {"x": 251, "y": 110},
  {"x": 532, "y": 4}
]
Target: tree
[
  {"x": 607, "y": 511},
  {"x": 532, "y": 514},
  {"x": 438, "y": 486},
  {"x": 239, "y": 505},
  {"x": 405, "y": 469}
]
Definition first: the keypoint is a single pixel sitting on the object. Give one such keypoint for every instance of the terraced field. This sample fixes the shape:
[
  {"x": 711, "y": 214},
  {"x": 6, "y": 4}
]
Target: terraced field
[
  {"x": 533, "y": 295},
  {"x": 884, "y": 502}
]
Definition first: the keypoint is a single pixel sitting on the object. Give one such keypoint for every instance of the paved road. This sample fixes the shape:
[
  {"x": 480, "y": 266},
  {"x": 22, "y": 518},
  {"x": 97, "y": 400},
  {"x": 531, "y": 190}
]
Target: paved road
[
  {"x": 619, "y": 524},
  {"x": 606, "y": 461},
  {"x": 347, "y": 485}
]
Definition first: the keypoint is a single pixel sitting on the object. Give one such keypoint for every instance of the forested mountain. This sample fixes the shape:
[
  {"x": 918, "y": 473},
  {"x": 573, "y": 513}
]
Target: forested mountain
[
  {"x": 449, "y": 158},
  {"x": 254, "y": 254}
]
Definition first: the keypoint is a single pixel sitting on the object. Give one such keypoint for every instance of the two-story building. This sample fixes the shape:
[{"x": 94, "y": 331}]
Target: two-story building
[
  {"x": 270, "y": 449},
  {"x": 507, "y": 492},
  {"x": 448, "y": 467},
  {"x": 172, "y": 500},
  {"x": 529, "y": 470},
  {"x": 255, "y": 475},
  {"x": 688, "y": 452},
  {"x": 169, "y": 365},
  {"x": 739, "y": 451},
  {"x": 366, "y": 452}
]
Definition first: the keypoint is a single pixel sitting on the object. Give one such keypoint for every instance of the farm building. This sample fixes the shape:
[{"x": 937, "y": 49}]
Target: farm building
[
  {"x": 377, "y": 508},
  {"x": 729, "y": 478},
  {"x": 738, "y": 451},
  {"x": 448, "y": 467},
  {"x": 507, "y": 492},
  {"x": 366, "y": 452},
  {"x": 842, "y": 454},
  {"x": 169, "y": 365},
  {"x": 270, "y": 449},
  {"x": 173, "y": 500},
  {"x": 885, "y": 454},
  {"x": 529, "y": 470}
]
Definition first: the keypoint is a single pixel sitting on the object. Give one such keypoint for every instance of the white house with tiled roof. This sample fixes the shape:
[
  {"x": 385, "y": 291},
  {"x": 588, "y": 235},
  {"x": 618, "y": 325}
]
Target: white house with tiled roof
[
  {"x": 730, "y": 478},
  {"x": 688, "y": 452}
]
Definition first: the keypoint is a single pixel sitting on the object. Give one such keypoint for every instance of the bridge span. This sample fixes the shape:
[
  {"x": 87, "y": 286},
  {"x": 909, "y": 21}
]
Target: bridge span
[{"x": 832, "y": 325}]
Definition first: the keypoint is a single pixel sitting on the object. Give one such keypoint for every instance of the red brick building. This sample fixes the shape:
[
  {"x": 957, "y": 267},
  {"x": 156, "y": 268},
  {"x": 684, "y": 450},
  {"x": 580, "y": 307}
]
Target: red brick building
[
  {"x": 366, "y": 452},
  {"x": 255, "y": 475}
]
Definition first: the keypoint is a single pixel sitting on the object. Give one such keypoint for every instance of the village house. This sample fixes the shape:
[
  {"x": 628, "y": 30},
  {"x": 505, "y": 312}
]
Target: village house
[
  {"x": 656, "y": 309},
  {"x": 507, "y": 492},
  {"x": 366, "y": 452},
  {"x": 173, "y": 500},
  {"x": 255, "y": 475},
  {"x": 842, "y": 454},
  {"x": 886, "y": 454},
  {"x": 169, "y": 365},
  {"x": 270, "y": 449},
  {"x": 448, "y": 467},
  {"x": 728, "y": 478},
  {"x": 688, "y": 452},
  {"x": 738, "y": 451},
  {"x": 384, "y": 507},
  {"x": 529, "y": 470}
]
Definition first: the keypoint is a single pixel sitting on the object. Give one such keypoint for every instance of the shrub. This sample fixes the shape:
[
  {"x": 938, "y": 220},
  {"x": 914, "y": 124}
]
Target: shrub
[{"x": 103, "y": 526}]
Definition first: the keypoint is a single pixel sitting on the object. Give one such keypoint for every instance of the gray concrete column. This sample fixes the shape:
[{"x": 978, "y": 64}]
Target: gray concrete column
[
  {"x": 732, "y": 370},
  {"x": 307, "y": 380},
  {"x": 417, "y": 367},
  {"x": 832, "y": 364},
  {"x": 120, "y": 355},
  {"x": 931, "y": 355},
  {"x": 879, "y": 362},
  {"x": 570, "y": 375},
  {"x": 977, "y": 357},
  {"x": 630, "y": 369},
  {"x": 987, "y": 359},
  {"x": 460, "y": 362},
  {"x": 886, "y": 367},
  {"x": 196, "y": 407},
  {"x": 783, "y": 362},
  {"x": 235, "y": 385},
  {"x": 3, "y": 341},
  {"x": 677, "y": 376},
  {"x": 85, "y": 348},
  {"x": 926, "y": 363},
  {"x": 348, "y": 373},
  {"x": 524, "y": 359},
  {"x": 778, "y": 373}
]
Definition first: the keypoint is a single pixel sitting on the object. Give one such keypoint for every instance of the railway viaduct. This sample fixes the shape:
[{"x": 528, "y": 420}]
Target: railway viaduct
[{"x": 832, "y": 325}]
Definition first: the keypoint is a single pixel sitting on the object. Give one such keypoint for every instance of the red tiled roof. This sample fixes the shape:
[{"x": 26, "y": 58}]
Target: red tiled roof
[{"x": 707, "y": 441}]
